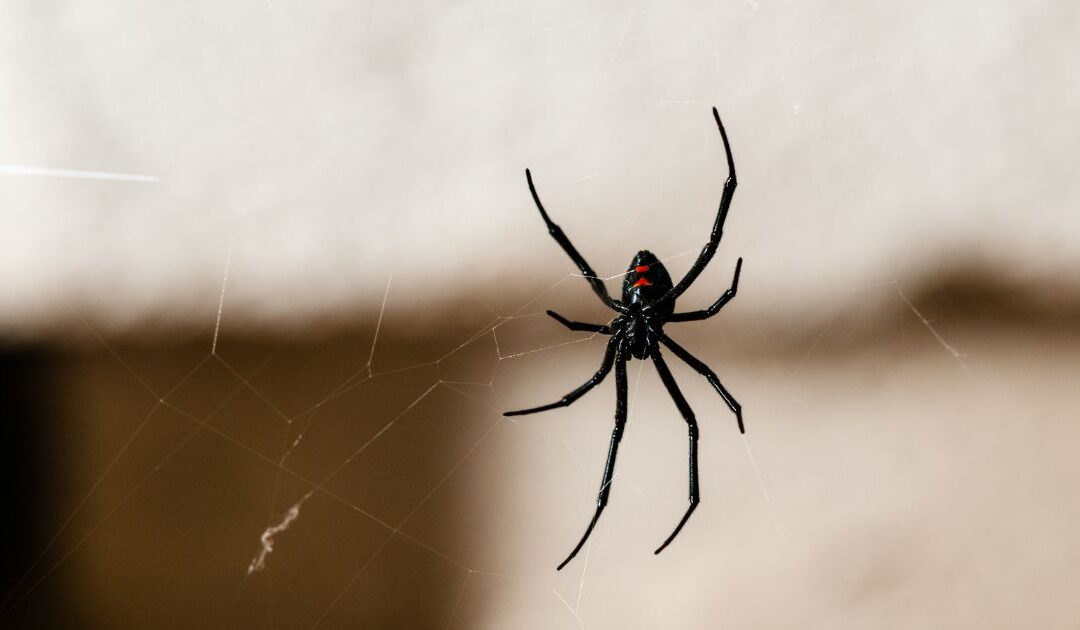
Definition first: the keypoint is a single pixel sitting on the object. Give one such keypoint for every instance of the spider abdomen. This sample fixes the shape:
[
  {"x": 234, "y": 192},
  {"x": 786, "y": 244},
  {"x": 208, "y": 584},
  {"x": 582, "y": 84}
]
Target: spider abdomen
[{"x": 646, "y": 281}]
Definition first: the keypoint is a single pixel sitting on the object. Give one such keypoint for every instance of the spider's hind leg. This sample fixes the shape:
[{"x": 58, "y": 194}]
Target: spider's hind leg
[
  {"x": 560, "y": 237},
  {"x": 692, "y": 429},
  {"x": 715, "y": 307}
]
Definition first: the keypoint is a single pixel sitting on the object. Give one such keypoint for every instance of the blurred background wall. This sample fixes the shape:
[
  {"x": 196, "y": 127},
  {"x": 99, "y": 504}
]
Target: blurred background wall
[{"x": 270, "y": 274}]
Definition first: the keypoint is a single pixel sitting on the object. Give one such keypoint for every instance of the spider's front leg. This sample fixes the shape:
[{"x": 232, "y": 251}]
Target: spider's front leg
[
  {"x": 699, "y": 366},
  {"x": 692, "y": 428},
  {"x": 613, "y": 450}
]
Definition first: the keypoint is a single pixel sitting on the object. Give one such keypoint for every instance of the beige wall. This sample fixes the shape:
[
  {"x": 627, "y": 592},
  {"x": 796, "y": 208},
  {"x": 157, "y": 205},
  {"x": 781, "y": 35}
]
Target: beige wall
[
  {"x": 904, "y": 341},
  {"x": 332, "y": 144}
]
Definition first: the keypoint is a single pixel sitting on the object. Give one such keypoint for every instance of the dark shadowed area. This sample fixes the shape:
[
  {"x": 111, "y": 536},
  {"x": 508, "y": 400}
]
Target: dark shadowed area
[{"x": 884, "y": 481}]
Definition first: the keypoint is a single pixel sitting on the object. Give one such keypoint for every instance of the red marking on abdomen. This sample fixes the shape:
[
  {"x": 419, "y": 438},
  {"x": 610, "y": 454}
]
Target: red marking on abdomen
[
  {"x": 641, "y": 269},
  {"x": 642, "y": 281}
]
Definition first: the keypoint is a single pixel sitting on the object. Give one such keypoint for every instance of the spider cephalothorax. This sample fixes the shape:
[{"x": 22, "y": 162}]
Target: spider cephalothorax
[{"x": 648, "y": 302}]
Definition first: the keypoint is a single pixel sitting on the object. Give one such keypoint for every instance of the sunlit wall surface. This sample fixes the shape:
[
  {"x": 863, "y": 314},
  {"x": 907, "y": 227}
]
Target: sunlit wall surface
[{"x": 270, "y": 274}]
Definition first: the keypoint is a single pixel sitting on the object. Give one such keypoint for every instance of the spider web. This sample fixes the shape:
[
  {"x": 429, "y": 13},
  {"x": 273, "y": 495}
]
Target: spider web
[{"x": 394, "y": 465}]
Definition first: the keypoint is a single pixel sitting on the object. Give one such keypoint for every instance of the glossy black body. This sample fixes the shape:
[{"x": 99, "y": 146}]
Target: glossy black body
[
  {"x": 645, "y": 282},
  {"x": 647, "y": 303}
]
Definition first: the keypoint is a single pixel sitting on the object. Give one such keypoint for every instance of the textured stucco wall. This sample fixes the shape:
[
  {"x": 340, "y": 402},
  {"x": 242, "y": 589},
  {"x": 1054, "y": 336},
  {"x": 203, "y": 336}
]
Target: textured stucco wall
[{"x": 332, "y": 144}]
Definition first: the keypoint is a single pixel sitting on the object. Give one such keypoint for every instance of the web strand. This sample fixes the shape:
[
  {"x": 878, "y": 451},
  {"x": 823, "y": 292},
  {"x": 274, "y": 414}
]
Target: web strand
[{"x": 279, "y": 525}]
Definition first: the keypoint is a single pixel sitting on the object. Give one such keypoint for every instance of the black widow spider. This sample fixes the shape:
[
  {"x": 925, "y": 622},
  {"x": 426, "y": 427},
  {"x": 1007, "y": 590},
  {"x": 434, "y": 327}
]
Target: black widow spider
[{"x": 648, "y": 302}]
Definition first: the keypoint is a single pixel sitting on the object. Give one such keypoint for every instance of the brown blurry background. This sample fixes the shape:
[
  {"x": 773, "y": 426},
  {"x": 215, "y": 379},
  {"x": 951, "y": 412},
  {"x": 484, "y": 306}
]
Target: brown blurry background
[{"x": 270, "y": 273}]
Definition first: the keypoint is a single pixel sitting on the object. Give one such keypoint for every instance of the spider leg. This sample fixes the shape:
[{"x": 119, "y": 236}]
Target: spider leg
[
  {"x": 718, "y": 226},
  {"x": 580, "y": 325},
  {"x": 707, "y": 372},
  {"x": 613, "y": 450},
  {"x": 568, "y": 247},
  {"x": 609, "y": 359},
  {"x": 692, "y": 427},
  {"x": 716, "y": 306}
]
